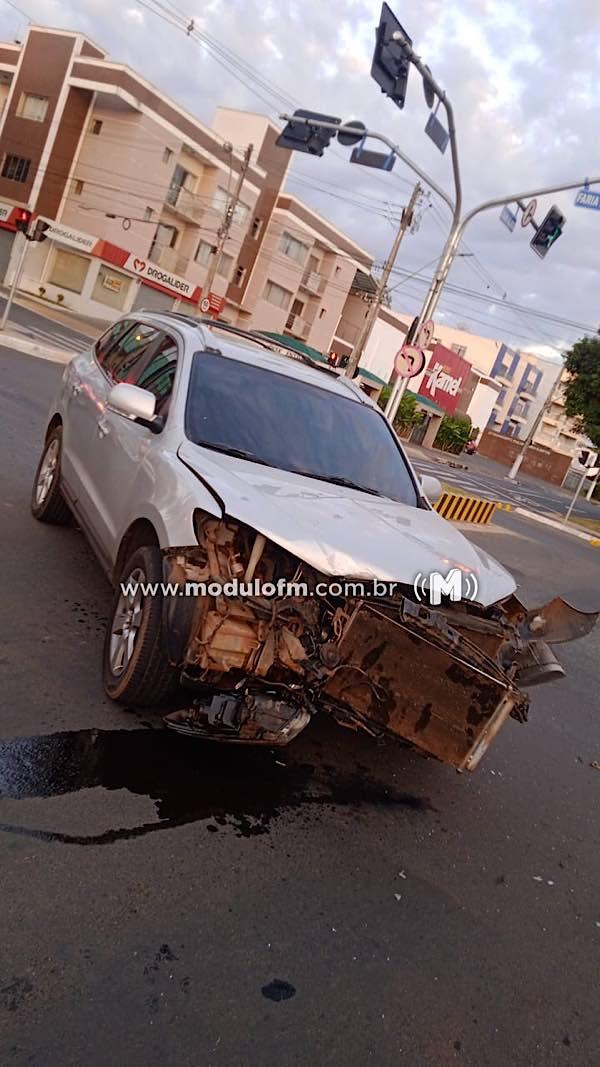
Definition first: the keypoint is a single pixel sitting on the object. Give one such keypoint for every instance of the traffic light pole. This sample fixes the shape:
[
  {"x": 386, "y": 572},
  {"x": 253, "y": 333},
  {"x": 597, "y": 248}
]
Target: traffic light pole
[
  {"x": 15, "y": 283},
  {"x": 450, "y": 251}
]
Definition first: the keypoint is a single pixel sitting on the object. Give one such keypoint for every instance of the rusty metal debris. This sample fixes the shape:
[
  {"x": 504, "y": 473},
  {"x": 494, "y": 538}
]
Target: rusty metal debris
[{"x": 443, "y": 680}]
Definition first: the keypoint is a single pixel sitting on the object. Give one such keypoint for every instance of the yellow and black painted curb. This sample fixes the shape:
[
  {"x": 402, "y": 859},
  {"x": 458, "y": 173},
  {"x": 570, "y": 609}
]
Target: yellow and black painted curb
[{"x": 461, "y": 508}]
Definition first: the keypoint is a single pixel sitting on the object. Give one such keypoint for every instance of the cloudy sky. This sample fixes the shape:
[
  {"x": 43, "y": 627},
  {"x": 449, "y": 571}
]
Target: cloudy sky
[{"x": 522, "y": 79}]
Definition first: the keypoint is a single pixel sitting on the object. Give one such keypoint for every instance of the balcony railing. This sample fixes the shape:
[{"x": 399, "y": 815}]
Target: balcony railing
[
  {"x": 312, "y": 282},
  {"x": 183, "y": 203}
]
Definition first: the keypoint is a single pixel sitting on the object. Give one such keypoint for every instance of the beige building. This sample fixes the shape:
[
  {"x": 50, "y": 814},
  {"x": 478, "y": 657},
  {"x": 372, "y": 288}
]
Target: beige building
[{"x": 136, "y": 189}]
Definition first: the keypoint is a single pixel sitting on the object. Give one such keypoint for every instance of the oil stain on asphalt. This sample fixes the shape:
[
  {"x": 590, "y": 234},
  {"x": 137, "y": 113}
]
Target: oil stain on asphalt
[{"x": 189, "y": 781}]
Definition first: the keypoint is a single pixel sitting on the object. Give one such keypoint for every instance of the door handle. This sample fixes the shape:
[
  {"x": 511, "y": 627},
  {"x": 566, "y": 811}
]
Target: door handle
[{"x": 103, "y": 428}]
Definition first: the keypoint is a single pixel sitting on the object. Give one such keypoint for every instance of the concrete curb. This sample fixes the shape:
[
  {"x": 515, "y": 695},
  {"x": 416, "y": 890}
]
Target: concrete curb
[
  {"x": 34, "y": 348},
  {"x": 563, "y": 527}
]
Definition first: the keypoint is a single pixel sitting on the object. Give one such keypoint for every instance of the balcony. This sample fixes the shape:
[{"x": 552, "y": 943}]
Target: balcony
[
  {"x": 313, "y": 282},
  {"x": 528, "y": 392},
  {"x": 298, "y": 326},
  {"x": 188, "y": 205},
  {"x": 549, "y": 420},
  {"x": 169, "y": 258},
  {"x": 516, "y": 417},
  {"x": 559, "y": 398}
]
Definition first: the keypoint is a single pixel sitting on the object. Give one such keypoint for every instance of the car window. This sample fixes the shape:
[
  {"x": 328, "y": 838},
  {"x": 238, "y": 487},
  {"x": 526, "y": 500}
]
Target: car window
[
  {"x": 129, "y": 354},
  {"x": 158, "y": 373},
  {"x": 110, "y": 338},
  {"x": 294, "y": 425}
]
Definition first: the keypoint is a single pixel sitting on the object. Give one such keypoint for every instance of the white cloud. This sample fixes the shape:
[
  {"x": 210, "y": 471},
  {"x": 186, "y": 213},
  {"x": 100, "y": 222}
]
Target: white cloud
[{"x": 521, "y": 76}]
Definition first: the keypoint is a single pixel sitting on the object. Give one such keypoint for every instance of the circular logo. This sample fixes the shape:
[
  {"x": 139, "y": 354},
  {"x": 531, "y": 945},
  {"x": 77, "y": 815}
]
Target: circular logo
[{"x": 205, "y": 304}]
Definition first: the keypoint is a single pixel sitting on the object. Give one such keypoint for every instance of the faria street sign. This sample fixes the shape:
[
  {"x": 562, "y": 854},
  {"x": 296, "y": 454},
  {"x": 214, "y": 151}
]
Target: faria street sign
[{"x": 589, "y": 199}]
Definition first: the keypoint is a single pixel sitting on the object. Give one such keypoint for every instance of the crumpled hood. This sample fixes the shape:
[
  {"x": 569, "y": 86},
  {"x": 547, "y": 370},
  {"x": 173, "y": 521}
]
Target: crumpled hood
[{"x": 344, "y": 533}]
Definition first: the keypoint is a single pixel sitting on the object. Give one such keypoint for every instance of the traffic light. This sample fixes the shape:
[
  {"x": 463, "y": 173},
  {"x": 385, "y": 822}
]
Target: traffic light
[
  {"x": 391, "y": 61},
  {"x": 39, "y": 231},
  {"x": 23, "y": 219},
  {"x": 548, "y": 232},
  {"x": 302, "y": 137}
]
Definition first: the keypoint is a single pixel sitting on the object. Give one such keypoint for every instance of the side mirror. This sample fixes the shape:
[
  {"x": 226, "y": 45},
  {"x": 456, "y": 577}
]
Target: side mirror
[
  {"x": 135, "y": 403},
  {"x": 431, "y": 487}
]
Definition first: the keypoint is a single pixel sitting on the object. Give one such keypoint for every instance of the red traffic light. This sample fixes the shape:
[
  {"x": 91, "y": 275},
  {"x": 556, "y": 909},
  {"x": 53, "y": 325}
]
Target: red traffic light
[{"x": 22, "y": 220}]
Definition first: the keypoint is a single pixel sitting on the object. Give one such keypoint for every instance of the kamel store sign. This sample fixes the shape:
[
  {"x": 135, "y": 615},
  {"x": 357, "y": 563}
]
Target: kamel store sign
[{"x": 444, "y": 379}]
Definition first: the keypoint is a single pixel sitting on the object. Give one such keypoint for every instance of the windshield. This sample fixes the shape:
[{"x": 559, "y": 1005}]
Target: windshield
[{"x": 294, "y": 426}]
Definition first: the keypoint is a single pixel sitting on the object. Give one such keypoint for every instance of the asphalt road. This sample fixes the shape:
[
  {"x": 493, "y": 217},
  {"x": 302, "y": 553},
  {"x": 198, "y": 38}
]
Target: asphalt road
[{"x": 166, "y": 903}]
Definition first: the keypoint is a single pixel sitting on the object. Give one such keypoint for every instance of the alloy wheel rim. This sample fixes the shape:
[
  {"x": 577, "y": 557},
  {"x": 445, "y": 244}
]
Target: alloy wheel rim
[
  {"x": 47, "y": 473},
  {"x": 126, "y": 623}
]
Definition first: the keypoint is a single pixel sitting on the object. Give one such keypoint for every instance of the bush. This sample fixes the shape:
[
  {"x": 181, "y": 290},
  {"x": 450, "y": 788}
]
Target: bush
[
  {"x": 453, "y": 434},
  {"x": 407, "y": 414}
]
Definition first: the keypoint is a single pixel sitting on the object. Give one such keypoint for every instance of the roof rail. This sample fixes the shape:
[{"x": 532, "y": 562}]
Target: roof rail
[{"x": 250, "y": 335}]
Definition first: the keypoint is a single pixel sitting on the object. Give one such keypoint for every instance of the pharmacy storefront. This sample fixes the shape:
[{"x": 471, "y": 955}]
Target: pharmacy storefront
[{"x": 94, "y": 277}]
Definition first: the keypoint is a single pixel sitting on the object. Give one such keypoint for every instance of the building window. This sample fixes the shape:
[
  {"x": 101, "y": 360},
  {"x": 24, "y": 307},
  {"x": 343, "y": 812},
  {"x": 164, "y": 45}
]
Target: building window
[
  {"x": 96, "y": 127},
  {"x": 77, "y": 187},
  {"x": 69, "y": 271},
  {"x": 167, "y": 155},
  {"x": 165, "y": 237},
  {"x": 32, "y": 107},
  {"x": 240, "y": 274},
  {"x": 293, "y": 248},
  {"x": 256, "y": 227},
  {"x": 461, "y": 350},
  {"x": 111, "y": 288},
  {"x": 182, "y": 179},
  {"x": 221, "y": 201},
  {"x": 204, "y": 253},
  {"x": 148, "y": 214},
  {"x": 15, "y": 168},
  {"x": 277, "y": 295}
]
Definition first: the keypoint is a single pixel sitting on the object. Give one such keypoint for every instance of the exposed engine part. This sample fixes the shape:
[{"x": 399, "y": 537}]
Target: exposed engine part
[
  {"x": 249, "y": 718},
  {"x": 444, "y": 680},
  {"x": 538, "y": 664}
]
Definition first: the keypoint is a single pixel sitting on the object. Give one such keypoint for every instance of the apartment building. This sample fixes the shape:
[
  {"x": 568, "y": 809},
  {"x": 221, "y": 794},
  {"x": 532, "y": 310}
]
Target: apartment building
[{"x": 136, "y": 188}]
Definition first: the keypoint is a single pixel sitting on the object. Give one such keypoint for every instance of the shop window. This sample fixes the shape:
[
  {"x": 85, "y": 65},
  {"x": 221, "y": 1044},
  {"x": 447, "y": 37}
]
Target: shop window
[{"x": 69, "y": 271}]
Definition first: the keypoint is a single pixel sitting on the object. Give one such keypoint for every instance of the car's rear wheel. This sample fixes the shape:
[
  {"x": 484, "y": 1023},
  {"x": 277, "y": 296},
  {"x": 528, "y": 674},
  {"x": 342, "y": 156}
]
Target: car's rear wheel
[
  {"x": 136, "y": 669},
  {"x": 47, "y": 501}
]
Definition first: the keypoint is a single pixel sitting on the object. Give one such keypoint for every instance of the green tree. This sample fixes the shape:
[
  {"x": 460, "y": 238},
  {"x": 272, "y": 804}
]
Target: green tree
[{"x": 582, "y": 393}]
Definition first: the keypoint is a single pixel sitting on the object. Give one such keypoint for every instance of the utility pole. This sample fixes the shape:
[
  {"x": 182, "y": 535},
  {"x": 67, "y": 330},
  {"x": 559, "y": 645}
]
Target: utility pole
[
  {"x": 363, "y": 337},
  {"x": 514, "y": 470},
  {"x": 224, "y": 228}
]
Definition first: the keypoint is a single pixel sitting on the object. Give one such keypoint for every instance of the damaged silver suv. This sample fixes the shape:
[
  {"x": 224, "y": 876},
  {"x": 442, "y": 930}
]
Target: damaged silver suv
[{"x": 198, "y": 455}]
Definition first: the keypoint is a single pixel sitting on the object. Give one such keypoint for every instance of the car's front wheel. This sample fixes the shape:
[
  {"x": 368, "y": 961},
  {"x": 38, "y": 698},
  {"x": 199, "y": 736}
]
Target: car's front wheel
[
  {"x": 136, "y": 669},
  {"x": 47, "y": 501}
]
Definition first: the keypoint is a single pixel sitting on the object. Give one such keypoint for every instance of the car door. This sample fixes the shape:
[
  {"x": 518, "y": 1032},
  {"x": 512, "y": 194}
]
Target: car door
[
  {"x": 147, "y": 358},
  {"x": 84, "y": 395}
]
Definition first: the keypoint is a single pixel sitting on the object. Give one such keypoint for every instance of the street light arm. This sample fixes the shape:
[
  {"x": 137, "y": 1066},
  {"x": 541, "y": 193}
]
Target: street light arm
[
  {"x": 441, "y": 94},
  {"x": 500, "y": 201},
  {"x": 384, "y": 140}
]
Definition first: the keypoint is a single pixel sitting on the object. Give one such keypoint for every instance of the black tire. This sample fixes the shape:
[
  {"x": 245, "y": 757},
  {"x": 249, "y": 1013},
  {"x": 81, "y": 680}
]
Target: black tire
[
  {"x": 145, "y": 678},
  {"x": 47, "y": 502}
]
